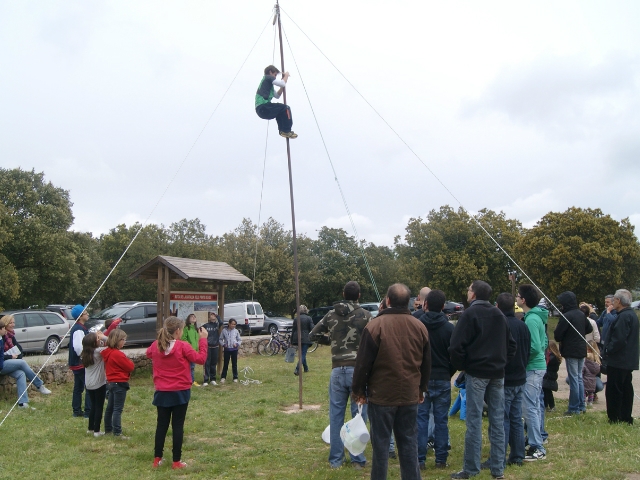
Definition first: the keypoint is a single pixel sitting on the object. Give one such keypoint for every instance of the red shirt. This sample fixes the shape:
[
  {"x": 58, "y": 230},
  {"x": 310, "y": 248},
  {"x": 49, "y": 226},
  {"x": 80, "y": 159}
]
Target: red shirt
[
  {"x": 117, "y": 365},
  {"x": 172, "y": 371}
]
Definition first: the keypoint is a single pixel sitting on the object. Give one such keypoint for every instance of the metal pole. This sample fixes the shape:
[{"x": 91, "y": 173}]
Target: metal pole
[{"x": 293, "y": 223}]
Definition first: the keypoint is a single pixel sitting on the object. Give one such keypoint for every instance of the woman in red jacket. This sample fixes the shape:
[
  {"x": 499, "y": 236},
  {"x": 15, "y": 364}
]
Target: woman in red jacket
[
  {"x": 118, "y": 369},
  {"x": 172, "y": 360}
]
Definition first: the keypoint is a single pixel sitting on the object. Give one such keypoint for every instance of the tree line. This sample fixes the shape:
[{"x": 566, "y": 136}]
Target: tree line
[{"x": 43, "y": 261}]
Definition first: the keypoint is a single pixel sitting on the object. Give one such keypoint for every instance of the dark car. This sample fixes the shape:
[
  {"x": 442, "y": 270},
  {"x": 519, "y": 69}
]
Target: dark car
[
  {"x": 40, "y": 330},
  {"x": 453, "y": 309},
  {"x": 138, "y": 320},
  {"x": 318, "y": 313},
  {"x": 64, "y": 310}
]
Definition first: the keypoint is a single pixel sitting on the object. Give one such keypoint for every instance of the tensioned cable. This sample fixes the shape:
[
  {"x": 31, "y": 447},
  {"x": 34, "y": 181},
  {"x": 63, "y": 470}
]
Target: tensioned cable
[
  {"x": 264, "y": 165},
  {"x": 473, "y": 217},
  {"x": 152, "y": 211},
  {"x": 335, "y": 175}
]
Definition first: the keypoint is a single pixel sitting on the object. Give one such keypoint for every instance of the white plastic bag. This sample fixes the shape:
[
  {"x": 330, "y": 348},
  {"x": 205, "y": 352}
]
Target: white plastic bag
[
  {"x": 354, "y": 434},
  {"x": 326, "y": 435}
]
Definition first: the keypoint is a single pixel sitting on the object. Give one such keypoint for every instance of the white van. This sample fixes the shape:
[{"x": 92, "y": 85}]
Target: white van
[{"x": 249, "y": 316}]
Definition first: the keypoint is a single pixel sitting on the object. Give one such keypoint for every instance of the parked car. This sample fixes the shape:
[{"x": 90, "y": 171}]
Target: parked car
[
  {"x": 64, "y": 310},
  {"x": 138, "y": 320},
  {"x": 318, "y": 313},
  {"x": 635, "y": 305},
  {"x": 40, "y": 330},
  {"x": 274, "y": 322},
  {"x": 453, "y": 308},
  {"x": 249, "y": 316},
  {"x": 371, "y": 308}
]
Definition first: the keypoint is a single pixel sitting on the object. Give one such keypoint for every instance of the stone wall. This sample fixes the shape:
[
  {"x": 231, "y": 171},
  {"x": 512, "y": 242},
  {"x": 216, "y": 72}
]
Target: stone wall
[{"x": 56, "y": 373}]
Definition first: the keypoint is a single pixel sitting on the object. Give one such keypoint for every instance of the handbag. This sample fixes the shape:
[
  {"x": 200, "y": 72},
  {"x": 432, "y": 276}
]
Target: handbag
[{"x": 290, "y": 355}]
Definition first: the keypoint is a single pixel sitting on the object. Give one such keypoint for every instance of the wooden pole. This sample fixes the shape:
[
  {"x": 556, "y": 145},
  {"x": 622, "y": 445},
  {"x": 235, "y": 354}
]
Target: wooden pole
[
  {"x": 221, "y": 315},
  {"x": 293, "y": 223}
]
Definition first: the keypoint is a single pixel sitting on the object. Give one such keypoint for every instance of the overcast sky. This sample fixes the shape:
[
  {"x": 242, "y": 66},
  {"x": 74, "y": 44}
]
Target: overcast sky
[{"x": 525, "y": 107}]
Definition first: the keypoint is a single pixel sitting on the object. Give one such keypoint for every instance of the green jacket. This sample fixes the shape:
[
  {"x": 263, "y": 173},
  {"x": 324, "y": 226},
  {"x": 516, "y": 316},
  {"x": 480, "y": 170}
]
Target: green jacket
[
  {"x": 190, "y": 334},
  {"x": 536, "y": 321}
]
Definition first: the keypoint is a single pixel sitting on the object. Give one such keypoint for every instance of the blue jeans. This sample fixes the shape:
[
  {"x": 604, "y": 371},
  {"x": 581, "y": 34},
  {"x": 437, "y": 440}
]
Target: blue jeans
[
  {"x": 193, "y": 371},
  {"x": 339, "y": 393},
  {"x": 115, "y": 406},
  {"x": 76, "y": 400},
  {"x": 438, "y": 400},
  {"x": 21, "y": 371},
  {"x": 402, "y": 421},
  {"x": 513, "y": 428},
  {"x": 305, "y": 347},
  {"x": 531, "y": 407},
  {"x": 576, "y": 387},
  {"x": 476, "y": 388}
]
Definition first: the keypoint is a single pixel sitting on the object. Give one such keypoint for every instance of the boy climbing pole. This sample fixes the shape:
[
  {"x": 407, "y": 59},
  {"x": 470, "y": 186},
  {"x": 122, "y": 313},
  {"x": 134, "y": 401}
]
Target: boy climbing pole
[{"x": 267, "y": 110}]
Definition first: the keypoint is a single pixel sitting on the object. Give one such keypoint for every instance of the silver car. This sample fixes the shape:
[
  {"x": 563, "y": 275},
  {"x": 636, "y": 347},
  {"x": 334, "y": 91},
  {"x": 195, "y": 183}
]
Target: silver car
[
  {"x": 277, "y": 324},
  {"x": 40, "y": 330}
]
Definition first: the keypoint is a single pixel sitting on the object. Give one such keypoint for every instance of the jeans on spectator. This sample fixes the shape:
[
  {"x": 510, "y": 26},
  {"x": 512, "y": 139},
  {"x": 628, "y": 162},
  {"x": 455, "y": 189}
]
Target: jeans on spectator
[
  {"x": 543, "y": 432},
  {"x": 437, "y": 400},
  {"x": 97, "y": 397},
  {"x": 339, "y": 394},
  {"x": 115, "y": 406},
  {"x": 513, "y": 428},
  {"x": 531, "y": 407},
  {"x": 402, "y": 421},
  {"x": 76, "y": 400},
  {"x": 211, "y": 364},
  {"x": 576, "y": 387},
  {"x": 233, "y": 356},
  {"x": 619, "y": 395},
  {"x": 303, "y": 355},
  {"x": 21, "y": 371},
  {"x": 476, "y": 388},
  {"x": 176, "y": 416}
]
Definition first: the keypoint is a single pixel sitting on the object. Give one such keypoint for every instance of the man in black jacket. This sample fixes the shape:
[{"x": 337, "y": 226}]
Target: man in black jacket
[
  {"x": 481, "y": 345},
  {"x": 515, "y": 376},
  {"x": 621, "y": 357},
  {"x": 570, "y": 332},
  {"x": 439, "y": 394}
]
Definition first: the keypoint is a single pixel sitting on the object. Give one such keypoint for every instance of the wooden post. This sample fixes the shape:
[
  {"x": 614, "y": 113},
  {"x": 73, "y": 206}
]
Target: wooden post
[
  {"x": 160, "y": 299},
  {"x": 167, "y": 292}
]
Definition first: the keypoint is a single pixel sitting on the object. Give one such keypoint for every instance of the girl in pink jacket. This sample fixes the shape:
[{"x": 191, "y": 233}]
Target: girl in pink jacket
[{"x": 172, "y": 360}]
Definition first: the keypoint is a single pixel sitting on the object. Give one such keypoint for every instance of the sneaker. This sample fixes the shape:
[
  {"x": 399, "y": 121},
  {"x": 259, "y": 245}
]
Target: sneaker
[
  {"x": 235, "y": 380},
  {"x": 44, "y": 390},
  {"x": 430, "y": 445},
  {"x": 204, "y": 384},
  {"x": 442, "y": 465},
  {"x": 25, "y": 406},
  {"x": 98, "y": 434},
  {"x": 569, "y": 413},
  {"x": 392, "y": 454},
  {"x": 497, "y": 476},
  {"x": 213, "y": 383},
  {"x": 222, "y": 380},
  {"x": 485, "y": 465},
  {"x": 461, "y": 474},
  {"x": 196, "y": 384},
  {"x": 89, "y": 432},
  {"x": 177, "y": 465},
  {"x": 545, "y": 441},
  {"x": 157, "y": 462},
  {"x": 289, "y": 134},
  {"x": 422, "y": 466},
  {"x": 357, "y": 466},
  {"x": 534, "y": 454},
  {"x": 121, "y": 437},
  {"x": 516, "y": 463}
]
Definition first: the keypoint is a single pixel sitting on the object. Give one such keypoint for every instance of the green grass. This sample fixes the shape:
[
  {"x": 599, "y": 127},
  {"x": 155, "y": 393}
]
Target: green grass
[{"x": 240, "y": 432}]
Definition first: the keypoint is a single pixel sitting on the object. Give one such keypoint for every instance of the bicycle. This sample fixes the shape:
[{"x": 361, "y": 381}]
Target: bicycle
[{"x": 271, "y": 346}]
